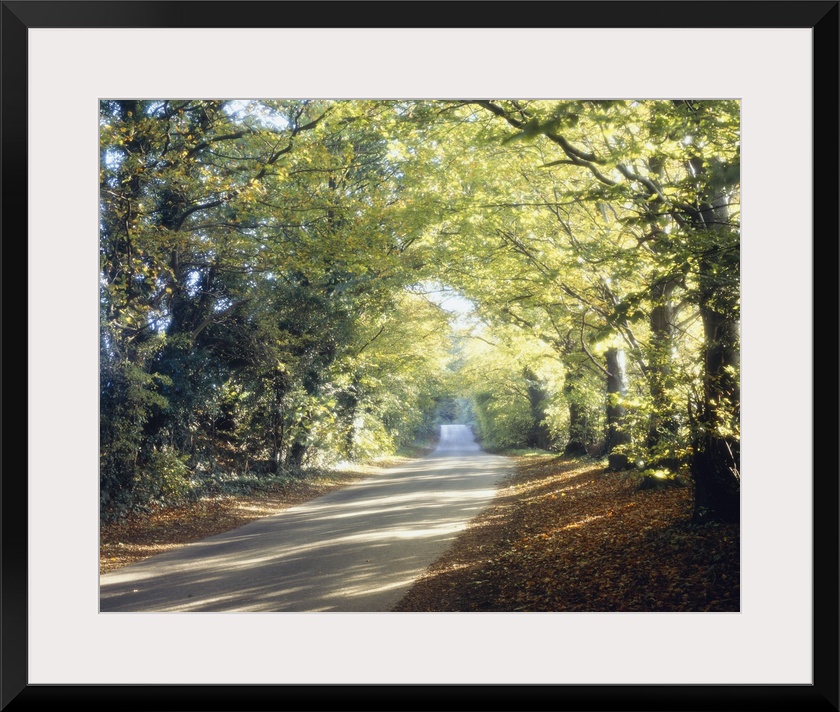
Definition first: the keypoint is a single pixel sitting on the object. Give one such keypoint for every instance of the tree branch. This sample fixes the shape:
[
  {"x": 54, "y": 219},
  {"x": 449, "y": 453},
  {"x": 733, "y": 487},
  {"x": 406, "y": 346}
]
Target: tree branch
[
  {"x": 588, "y": 352},
  {"x": 215, "y": 317},
  {"x": 217, "y": 139}
]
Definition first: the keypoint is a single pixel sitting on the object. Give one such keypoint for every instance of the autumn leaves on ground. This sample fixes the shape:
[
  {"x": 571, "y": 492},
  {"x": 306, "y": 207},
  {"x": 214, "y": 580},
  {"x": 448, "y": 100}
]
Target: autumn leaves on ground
[{"x": 561, "y": 535}]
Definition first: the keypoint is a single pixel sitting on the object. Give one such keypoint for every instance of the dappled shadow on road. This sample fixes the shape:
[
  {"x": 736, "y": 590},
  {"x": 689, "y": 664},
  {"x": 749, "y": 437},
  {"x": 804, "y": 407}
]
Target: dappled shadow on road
[
  {"x": 569, "y": 535},
  {"x": 356, "y": 549}
]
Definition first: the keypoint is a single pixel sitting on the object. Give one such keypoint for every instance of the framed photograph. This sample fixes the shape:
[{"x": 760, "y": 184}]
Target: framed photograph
[{"x": 778, "y": 58}]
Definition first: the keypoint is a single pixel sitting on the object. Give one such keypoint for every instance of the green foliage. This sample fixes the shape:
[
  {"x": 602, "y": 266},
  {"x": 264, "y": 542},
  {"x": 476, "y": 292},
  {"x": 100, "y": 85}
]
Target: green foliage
[
  {"x": 263, "y": 267},
  {"x": 514, "y": 389},
  {"x": 164, "y": 478}
]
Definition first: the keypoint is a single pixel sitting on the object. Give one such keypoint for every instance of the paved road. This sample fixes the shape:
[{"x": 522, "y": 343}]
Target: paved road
[{"x": 356, "y": 549}]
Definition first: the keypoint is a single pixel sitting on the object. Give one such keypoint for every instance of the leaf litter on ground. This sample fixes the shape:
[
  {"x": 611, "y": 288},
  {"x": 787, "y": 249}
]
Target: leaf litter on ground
[{"x": 569, "y": 535}]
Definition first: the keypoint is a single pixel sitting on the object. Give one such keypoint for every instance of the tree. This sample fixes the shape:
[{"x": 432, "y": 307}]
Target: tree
[
  {"x": 675, "y": 166},
  {"x": 263, "y": 262}
]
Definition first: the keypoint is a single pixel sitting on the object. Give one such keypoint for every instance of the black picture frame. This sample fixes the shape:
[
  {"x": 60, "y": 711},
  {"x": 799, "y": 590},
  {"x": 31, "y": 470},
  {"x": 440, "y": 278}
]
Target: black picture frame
[{"x": 821, "y": 17}]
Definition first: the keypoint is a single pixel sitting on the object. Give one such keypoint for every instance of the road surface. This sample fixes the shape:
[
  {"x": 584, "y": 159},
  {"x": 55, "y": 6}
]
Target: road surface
[{"x": 355, "y": 549}]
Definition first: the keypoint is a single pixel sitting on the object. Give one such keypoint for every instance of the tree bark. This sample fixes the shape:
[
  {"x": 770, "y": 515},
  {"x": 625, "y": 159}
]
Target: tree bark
[
  {"x": 576, "y": 444},
  {"x": 663, "y": 425},
  {"x": 716, "y": 463},
  {"x": 538, "y": 435},
  {"x": 616, "y": 388}
]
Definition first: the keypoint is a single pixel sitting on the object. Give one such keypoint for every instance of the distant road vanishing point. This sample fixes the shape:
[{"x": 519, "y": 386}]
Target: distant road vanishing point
[{"x": 359, "y": 548}]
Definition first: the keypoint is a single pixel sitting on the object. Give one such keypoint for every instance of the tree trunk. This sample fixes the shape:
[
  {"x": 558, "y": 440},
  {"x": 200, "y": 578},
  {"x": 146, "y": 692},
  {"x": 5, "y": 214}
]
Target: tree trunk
[
  {"x": 716, "y": 464},
  {"x": 616, "y": 389},
  {"x": 663, "y": 424},
  {"x": 576, "y": 444},
  {"x": 277, "y": 428},
  {"x": 296, "y": 454},
  {"x": 538, "y": 435},
  {"x": 300, "y": 446}
]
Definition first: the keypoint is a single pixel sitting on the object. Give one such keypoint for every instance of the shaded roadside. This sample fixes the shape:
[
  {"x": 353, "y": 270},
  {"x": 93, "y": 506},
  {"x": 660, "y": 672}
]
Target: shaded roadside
[
  {"x": 567, "y": 535},
  {"x": 358, "y": 548},
  {"x": 142, "y": 535}
]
